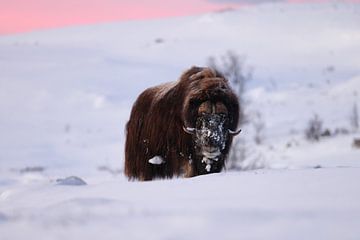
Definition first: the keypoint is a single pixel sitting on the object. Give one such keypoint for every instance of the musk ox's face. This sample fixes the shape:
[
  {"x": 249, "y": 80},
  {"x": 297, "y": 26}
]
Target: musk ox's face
[
  {"x": 210, "y": 135},
  {"x": 211, "y": 129},
  {"x": 211, "y": 132}
]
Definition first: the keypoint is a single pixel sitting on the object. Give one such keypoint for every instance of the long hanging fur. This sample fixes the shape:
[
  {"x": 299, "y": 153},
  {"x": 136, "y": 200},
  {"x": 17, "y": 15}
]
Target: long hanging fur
[{"x": 156, "y": 125}]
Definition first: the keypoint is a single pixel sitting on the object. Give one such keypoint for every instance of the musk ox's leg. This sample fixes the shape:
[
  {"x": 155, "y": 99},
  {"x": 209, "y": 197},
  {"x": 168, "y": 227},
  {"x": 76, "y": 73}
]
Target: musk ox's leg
[
  {"x": 137, "y": 158},
  {"x": 133, "y": 150},
  {"x": 140, "y": 162},
  {"x": 155, "y": 167},
  {"x": 156, "y": 171},
  {"x": 188, "y": 169},
  {"x": 135, "y": 146}
]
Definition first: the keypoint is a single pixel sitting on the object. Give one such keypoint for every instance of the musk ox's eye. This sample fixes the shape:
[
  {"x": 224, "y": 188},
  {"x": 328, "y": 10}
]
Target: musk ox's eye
[
  {"x": 220, "y": 108},
  {"x": 204, "y": 108},
  {"x": 208, "y": 107}
]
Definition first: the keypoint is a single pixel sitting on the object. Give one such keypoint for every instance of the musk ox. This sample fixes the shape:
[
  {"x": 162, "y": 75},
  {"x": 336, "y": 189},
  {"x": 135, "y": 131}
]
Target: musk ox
[{"x": 183, "y": 128}]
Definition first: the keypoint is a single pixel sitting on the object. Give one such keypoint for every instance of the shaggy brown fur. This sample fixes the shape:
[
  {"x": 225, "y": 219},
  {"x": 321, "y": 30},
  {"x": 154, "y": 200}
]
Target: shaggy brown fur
[{"x": 156, "y": 125}]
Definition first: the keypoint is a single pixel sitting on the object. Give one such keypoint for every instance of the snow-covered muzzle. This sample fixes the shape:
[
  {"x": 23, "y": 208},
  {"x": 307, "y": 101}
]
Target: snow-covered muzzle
[
  {"x": 211, "y": 134},
  {"x": 210, "y": 137}
]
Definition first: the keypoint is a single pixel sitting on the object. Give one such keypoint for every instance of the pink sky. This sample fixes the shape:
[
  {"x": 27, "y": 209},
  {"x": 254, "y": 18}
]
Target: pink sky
[{"x": 27, "y": 15}]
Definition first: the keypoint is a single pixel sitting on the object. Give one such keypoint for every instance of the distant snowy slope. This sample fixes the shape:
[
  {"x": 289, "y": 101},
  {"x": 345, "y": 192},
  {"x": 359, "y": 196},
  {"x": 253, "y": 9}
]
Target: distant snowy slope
[
  {"x": 66, "y": 94},
  {"x": 275, "y": 36}
]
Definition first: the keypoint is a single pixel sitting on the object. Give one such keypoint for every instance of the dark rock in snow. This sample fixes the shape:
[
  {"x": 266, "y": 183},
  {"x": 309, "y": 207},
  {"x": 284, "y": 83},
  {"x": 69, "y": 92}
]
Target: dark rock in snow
[
  {"x": 356, "y": 143},
  {"x": 71, "y": 181},
  {"x": 159, "y": 40},
  {"x": 32, "y": 169}
]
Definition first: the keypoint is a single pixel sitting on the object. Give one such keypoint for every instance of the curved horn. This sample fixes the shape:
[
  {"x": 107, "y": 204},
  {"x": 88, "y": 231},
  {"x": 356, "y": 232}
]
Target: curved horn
[
  {"x": 189, "y": 130},
  {"x": 234, "y": 133}
]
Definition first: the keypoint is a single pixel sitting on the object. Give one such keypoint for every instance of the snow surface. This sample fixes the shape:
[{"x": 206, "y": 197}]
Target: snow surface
[{"x": 66, "y": 94}]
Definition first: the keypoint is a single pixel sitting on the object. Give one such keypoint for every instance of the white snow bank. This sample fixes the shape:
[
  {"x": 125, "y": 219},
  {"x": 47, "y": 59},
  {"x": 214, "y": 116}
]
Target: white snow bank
[{"x": 284, "y": 204}]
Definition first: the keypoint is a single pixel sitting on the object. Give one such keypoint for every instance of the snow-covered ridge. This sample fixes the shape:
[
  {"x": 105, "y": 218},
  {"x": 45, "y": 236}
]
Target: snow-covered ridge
[{"x": 84, "y": 79}]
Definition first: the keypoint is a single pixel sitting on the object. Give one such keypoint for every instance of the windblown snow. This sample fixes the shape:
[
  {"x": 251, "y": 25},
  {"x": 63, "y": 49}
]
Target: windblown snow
[{"x": 66, "y": 95}]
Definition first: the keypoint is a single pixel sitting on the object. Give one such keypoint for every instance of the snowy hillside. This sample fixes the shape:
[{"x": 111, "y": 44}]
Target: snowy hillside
[{"x": 66, "y": 95}]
